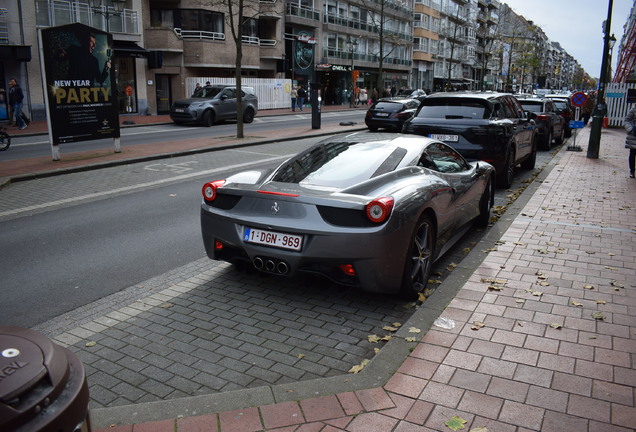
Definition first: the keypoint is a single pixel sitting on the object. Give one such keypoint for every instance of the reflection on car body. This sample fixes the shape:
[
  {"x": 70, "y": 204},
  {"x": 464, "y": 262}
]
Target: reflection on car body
[{"x": 370, "y": 210}]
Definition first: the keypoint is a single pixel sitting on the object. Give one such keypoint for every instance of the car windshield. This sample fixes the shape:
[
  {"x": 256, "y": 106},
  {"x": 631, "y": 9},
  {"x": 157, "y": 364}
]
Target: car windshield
[
  {"x": 208, "y": 92},
  {"x": 532, "y": 106},
  {"x": 340, "y": 164},
  {"x": 454, "y": 108}
]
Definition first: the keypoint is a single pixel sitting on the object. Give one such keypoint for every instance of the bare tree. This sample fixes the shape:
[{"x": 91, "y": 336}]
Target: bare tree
[{"x": 239, "y": 13}]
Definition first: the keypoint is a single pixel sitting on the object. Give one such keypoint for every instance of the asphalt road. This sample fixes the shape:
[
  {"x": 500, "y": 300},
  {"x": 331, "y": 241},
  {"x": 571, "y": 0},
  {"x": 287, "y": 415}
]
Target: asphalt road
[
  {"x": 69, "y": 240},
  {"x": 28, "y": 147}
]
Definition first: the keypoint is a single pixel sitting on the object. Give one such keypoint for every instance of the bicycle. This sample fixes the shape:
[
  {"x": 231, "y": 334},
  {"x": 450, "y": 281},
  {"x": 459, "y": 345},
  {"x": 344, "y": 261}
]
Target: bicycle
[{"x": 5, "y": 139}]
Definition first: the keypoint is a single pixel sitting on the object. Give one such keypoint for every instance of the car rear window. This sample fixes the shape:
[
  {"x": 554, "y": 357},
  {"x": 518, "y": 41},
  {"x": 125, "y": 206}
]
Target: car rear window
[
  {"x": 532, "y": 106},
  {"x": 339, "y": 164},
  {"x": 454, "y": 108},
  {"x": 561, "y": 104},
  {"x": 388, "y": 106}
]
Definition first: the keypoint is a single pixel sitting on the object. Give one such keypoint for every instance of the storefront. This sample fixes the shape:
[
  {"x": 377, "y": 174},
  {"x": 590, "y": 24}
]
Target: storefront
[{"x": 125, "y": 55}]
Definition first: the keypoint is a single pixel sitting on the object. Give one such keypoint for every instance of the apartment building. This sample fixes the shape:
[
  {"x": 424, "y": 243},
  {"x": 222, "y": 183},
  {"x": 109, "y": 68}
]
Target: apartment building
[{"x": 159, "y": 44}]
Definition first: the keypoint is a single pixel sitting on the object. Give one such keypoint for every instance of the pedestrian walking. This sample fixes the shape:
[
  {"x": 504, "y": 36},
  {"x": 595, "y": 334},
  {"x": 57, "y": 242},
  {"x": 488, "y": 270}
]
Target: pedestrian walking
[
  {"x": 588, "y": 107},
  {"x": 302, "y": 94},
  {"x": 374, "y": 96},
  {"x": 16, "y": 97},
  {"x": 294, "y": 96},
  {"x": 630, "y": 140}
]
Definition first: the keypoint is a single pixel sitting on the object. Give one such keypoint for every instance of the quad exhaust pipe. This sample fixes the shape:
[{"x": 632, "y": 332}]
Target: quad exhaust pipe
[{"x": 271, "y": 265}]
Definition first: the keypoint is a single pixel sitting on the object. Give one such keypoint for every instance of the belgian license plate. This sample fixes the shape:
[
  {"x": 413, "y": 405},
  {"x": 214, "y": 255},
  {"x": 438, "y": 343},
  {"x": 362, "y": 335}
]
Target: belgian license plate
[
  {"x": 444, "y": 137},
  {"x": 271, "y": 238},
  {"x": 179, "y": 110},
  {"x": 382, "y": 114}
]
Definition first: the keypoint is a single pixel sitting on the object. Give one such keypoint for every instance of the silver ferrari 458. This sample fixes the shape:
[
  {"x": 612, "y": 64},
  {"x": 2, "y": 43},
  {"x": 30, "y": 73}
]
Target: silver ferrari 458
[{"x": 367, "y": 210}]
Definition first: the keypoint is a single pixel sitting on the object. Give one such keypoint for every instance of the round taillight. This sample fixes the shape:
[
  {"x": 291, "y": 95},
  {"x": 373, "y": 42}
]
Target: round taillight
[
  {"x": 379, "y": 209},
  {"x": 209, "y": 190}
]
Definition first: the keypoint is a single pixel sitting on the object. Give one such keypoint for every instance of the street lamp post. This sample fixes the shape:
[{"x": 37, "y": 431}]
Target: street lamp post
[
  {"x": 600, "y": 109},
  {"x": 108, "y": 8},
  {"x": 352, "y": 44}
]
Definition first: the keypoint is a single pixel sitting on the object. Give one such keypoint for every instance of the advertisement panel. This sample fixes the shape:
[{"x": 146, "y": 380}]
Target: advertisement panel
[{"x": 80, "y": 84}]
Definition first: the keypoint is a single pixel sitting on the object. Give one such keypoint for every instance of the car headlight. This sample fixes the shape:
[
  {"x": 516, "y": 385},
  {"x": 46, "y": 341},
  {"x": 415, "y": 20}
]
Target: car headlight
[{"x": 196, "y": 104}]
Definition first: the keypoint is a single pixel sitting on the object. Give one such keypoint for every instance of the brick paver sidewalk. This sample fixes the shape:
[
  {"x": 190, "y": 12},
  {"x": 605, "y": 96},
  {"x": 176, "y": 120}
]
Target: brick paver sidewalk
[{"x": 542, "y": 336}]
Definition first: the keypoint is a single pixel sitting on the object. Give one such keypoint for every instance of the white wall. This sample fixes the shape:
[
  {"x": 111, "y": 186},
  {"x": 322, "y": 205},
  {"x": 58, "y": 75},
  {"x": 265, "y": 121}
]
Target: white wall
[{"x": 271, "y": 93}]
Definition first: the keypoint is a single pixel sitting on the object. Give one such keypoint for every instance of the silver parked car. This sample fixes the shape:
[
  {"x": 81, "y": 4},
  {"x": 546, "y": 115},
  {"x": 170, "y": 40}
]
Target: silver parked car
[
  {"x": 214, "y": 103},
  {"x": 372, "y": 210}
]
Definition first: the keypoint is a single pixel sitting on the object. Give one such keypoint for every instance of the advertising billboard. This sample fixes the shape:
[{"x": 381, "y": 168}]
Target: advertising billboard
[{"x": 80, "y": 84}]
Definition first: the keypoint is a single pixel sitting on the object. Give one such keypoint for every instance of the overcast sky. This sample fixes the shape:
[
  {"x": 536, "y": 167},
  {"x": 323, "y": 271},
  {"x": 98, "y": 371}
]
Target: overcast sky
[{"x": 577, "y": 25}]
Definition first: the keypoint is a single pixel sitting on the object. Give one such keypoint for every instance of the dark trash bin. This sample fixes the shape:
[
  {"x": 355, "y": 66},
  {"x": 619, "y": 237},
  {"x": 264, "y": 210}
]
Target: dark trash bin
[{"x": 43, "y": 386}]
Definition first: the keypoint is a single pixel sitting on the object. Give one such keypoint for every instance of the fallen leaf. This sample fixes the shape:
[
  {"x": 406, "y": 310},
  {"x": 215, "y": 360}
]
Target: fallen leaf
[
  {"x": 494, "y": 280},
  {"x": 479, "y": 429},
  {"x": 555, "y": 326},
  {"x": 373, "y": 338},
  {"x": 300, "y": 356},
  {"x": 537, "y": 293},
  {"x": 357, "y": 368},
  {"x": 434, "y": 281},
  {"x": 598, "y": 315},
  {"x": 601, "y": 302},
  {"x": 91, "y": 344},
  {"x": 611, "y": 268},
  {"x": 544, "y": 283},
  {"x": 397, "y": 324},
  {"x": 387, "y": 338},
  {"x": 617, "y": 284},
  {"x": 376, "y": 350},
  {"x": 477, "y": 325},
  {"x": 575, "y": 303},
  {"x": 611, "y": 254},
  {"x": 421, "y": 297},
  {"x": 410, "y": 339},
  {"x": 166, "y": 305},
  {"x": 495, "y": 287},
  {"x": 389, "y": 328},
  {"x": 542, "y": 251},
  {"x": 456, "y": 423},
  {"x": 520, "y": 301},
  {"x": 519, "y": 243},
  {"x": 414, "y": 330},
  {"x": 590, "y": 287}
]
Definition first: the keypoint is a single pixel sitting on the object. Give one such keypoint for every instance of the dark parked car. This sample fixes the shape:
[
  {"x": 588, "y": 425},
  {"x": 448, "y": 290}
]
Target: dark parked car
[
  {"x": 565, "y": 109},
  {"x": 481, "y": 126},
  {"x": 550, "y": 125},
  {"x": 418, "y": 94},
  {"x": 214, "y": 103},
  {"x": 369, "y": 210},
  {"x": 390, "y": 113}
]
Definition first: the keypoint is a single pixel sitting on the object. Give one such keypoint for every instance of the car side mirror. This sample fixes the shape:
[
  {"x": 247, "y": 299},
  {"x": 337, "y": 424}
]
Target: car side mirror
[{"x": 223, "y": 97}]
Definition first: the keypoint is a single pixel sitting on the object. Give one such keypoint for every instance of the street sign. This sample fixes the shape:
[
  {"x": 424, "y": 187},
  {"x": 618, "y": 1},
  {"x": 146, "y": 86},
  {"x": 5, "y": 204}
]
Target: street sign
[
  {"x": 576, "y": 124},
  {"x": 578, "y": 99}
]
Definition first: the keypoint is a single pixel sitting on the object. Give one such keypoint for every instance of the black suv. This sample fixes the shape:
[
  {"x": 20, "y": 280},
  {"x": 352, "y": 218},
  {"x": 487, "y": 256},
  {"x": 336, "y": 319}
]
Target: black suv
[
  {"x": 214, "y": 103},
  {"x": 550, "y": 125},
  {"x": 492, "y": 127}
]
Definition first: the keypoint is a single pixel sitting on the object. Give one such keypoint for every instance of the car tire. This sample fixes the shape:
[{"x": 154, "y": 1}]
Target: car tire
[
  {"x": 504, "y": 178},
  {"x": 208, "y": 118},
  {"x": 560, "y": 138},
  {"x": 547, "y": 142},
  {"x": 419, "y": 258},
  {"x": 373, "y": 128},
  {"x": 248, "y": 116},
  {"x": 485, "y": 205}
]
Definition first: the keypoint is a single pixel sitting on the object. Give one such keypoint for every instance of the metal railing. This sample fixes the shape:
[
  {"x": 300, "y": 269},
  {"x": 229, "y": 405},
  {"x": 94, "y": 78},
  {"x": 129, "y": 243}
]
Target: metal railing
[
  {"x": 359, "y": 57},
  {"x": 199, "y": 34},
  {"x": 4, "y": 28},
  {"x": 52, "y": 13},
  {"x": 302, "y": 12}
]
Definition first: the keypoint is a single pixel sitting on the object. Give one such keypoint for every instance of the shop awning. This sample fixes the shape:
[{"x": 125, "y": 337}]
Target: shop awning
[{"x": 129, "y": 49}]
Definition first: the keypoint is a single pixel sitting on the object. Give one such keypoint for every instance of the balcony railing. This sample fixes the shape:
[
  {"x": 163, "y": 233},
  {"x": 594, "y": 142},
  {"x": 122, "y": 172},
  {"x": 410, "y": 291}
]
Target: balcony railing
[
  {"x": 199, "y": 34},
  {"x": 359, "y": 57},
  {"x": 302, "y": 12},
  {"x": 360, "y": 25},
  {"x": 53, "y": 13}
]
